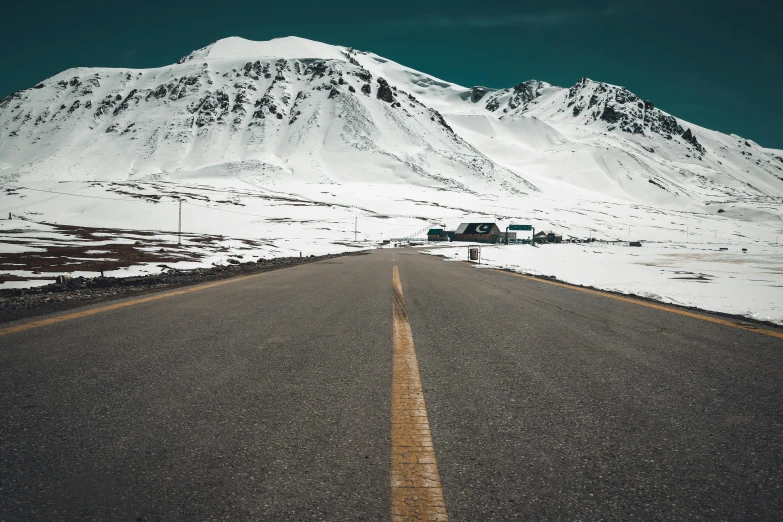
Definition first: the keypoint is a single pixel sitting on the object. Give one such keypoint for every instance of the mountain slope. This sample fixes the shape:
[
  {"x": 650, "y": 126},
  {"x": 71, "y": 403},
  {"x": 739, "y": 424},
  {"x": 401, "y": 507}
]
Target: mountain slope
[
  {"x": 292, "y": 109},
  {"x": 317, "y": 118}
]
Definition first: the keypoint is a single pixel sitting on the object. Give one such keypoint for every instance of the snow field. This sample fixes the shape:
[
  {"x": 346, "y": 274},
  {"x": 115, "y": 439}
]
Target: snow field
[{"x": 687, "y": 274}]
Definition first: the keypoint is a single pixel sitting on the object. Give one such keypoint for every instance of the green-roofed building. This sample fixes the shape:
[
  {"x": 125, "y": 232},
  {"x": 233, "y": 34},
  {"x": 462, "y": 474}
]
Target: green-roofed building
[{"x": 437, "y": 234}]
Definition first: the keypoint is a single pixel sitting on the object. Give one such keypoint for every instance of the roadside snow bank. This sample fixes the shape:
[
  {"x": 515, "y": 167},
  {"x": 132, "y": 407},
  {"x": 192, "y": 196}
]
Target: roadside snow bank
[{"x": 700, "y": 275}]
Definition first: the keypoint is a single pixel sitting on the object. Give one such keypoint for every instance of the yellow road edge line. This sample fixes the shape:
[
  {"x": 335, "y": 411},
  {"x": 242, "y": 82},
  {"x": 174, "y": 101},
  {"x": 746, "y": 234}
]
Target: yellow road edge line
[
  {"x": 694, "y": 315},
  {"x": 116, "y": 306},
  {"x": 416, "y": 492}
]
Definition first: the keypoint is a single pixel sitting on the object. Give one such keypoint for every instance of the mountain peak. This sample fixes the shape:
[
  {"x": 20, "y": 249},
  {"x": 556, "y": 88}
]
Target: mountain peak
[{"x": 288, "y": 47}]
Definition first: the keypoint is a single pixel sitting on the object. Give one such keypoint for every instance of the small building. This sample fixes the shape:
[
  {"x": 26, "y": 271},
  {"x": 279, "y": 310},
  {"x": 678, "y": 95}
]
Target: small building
[
  {"x": 512, "y": 237},
  {"x": 478, "y": 232},
  {"x": 548, "y": 236},
  {"x": 437, "y": 234}
]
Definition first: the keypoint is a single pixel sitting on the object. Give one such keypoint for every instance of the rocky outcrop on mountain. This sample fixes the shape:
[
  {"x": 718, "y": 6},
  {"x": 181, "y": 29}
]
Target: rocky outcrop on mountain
[
  {"x": 133, "y": 97},
  {"x": 619, "y": 108},
  {"x": 524, "y": 93},
  {"x": 475, "y": 94},
  {"x": 211, "y": 108},
  {"x": 517, "y": 99},
  {"x": 690, "y": 138},
  {"x": 385, "y": 92}
]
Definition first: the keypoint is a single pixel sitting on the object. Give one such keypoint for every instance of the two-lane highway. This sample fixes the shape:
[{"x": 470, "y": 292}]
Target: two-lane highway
[{"x": 352, "y": 390}]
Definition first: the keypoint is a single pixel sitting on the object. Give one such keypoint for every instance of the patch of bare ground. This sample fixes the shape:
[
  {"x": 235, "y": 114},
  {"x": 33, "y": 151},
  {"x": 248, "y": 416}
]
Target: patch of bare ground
[{"x": 87, "y": 249}]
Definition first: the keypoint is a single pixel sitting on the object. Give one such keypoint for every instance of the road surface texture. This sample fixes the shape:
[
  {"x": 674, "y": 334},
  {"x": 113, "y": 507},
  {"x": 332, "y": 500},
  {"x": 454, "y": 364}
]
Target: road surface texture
[{"x": 348, "y": 390}]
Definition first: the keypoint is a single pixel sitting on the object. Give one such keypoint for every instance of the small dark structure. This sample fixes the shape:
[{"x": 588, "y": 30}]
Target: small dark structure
[
  {"x": 548, "y": 236},
  {"x": 479, "y": 232},
  {"x": 437, "y": 234},
  {"x": 635, "y": 243}
]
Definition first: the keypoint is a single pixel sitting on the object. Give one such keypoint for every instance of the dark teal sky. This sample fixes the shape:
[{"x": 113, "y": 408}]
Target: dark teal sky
[{"x": 717, "y": 64}]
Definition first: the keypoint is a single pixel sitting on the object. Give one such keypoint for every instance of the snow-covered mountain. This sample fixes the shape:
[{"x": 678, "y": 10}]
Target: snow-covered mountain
[
  {"x": 289, "y": 109},
  {"x": 292, "y": 109}
]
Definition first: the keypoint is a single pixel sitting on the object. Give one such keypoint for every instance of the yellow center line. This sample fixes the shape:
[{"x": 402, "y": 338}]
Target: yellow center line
[
  {"x": 116, "y": 306},
  {"x": 416, "y": 492},
  {"x": 716, "y": 320}
]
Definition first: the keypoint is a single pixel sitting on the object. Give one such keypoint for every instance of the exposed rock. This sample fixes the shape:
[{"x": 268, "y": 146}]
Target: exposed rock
[
  {"x": 611, "y": 115},
  {"x": 5, "y": 102},
  {"x": 126, "y": 102},
  {"x": 436, "y": 116},
  {"x": 690, "y": 138},
  {"x": 493, "y": 105},
  {"x": 364, "y": 75},
  {"x": 159, "y": 92},
  {"x": 524, "y": 93},
  {"x": 384, "y": 91},
  {"x": 475, "y": 94},
  {"x": 266, "y": 103}
]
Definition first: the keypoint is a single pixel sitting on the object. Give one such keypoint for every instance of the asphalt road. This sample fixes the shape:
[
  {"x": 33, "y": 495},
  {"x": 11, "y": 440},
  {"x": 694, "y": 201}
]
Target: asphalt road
[{"x": 270, "y": 399}]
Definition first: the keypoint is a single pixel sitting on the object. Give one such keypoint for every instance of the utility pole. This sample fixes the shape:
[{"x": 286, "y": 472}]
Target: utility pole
[
  {"x": 355, "y": 224},
  {"x": 179, "y": 235}
]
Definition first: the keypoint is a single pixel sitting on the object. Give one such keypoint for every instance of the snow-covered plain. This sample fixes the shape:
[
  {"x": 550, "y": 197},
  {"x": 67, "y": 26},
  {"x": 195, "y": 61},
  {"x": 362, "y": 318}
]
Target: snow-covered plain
[
  {"x": 282, "y": 147},
  {"x": 698, "y": 275}
]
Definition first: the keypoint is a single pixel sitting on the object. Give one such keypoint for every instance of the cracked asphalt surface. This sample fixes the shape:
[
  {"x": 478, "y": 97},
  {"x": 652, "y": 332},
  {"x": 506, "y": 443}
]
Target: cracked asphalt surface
[{"x": 270, "y": 399}]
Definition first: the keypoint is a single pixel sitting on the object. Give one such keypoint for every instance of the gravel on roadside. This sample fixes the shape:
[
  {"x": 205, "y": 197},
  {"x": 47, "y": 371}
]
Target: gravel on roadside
[{"x": 21, "y": 303}]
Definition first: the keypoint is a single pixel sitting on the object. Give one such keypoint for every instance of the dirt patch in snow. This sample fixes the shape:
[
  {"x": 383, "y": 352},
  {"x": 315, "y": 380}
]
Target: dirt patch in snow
[{"x": 66, "y": 249}]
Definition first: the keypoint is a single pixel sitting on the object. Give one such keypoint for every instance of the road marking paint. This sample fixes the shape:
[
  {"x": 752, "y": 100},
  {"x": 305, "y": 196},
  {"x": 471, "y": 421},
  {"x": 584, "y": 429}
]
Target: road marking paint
[
  {"x": 124, "y": 304},
  {"x": 716, "y": 320},
  {"x": 416, "y": 493}
]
